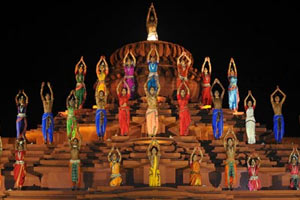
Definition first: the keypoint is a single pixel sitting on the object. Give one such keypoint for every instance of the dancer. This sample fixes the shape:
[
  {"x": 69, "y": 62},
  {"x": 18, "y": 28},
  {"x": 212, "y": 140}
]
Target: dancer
[
  {"x": 294, "y": 169},
  {"x": 101, "y": 71},
  {"x": 278, "y": 121},
  {"x": 80, "y": 91},
  {"x": 195, "y": 178},
  {"x": 114, "y": 163},
  {"x": 47, "y": 118},
  {"x": 21, "y": 122},
  {"x": 101, "y": 118},
  {"x": 206, "y": 97},
  {"x": 253, "y": 165},
  {"x": 184, "y": 113},
  {"x": 20, "y": 166},
  {"x": 217, "y": 117},
  {"x": 129, "y": 65},
  {"x": 151, "y": 24},
  {"x": 75, "y": 145},
  {"x": 233, "y": 91},
  {"x": 153, "y": 79},
  {"x": 71, "y": 103},
  {"x": 153, "y": 153},
  {"x": 230, "y": 143},
  {"x": 250, "y": 120},
  {"x": 124, "y": 113},
  {"x": 151, "y": 113},
  {"x": 183, "y": 68}
]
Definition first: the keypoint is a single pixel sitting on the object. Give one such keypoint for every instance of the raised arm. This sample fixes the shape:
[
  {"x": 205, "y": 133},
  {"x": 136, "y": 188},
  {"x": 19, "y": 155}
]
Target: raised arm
[
  {"x": 84, "y": 65},
  {"x": 118, "y": 87},
  {"x": 209, "y": 65},
  {"x": 189, "y": 60},
  {"x": 106, "y": 65},
  {"x": 127, "y": 86},
  {"x": 42, "y": 90},
  {"x": 148, "y": 150},
  {"x": 203, "y": 65},
  {"x": 283, "y": 94},
  {"x": 245, "y": 100},
  {"x": 51, "y": 91},
  {"x": 223, "y": 89},
  {"x": 192, "y": 154},
  {"x": 201, "y": 154},
  {"x": 120, "y": 155},
  {"x": 77, "y": 65},
  {"x": 248, "y": 161},
  {"x": 17, "y": 96},
  {"x": 272, "y": 95},
  {"x": 154, "y": 13},
  {"x": 211, "y": 89},
  {"x": 234, "y": 66},
  {"x": 149, "y": 54},
  {"x": 125, "y": 57},
  {"x": 179, "y": 57},
  {"x": 133, "y": 58},
  {"x": 259, "y": 162},
  {"x": 145, "y": 88},
  {"x": 157, "y": 55},
  {"x": 254, "y": 100},
  {"x": 98, "y": 65},
  {"x": 26, "y": 97},
  {"x": 109, "y": 154},
  {"x": 68, "y": 98},
  {"x": 229, "y": 67}
]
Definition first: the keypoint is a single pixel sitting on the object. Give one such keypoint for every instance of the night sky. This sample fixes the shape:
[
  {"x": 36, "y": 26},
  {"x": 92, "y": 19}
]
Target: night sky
[{"x": 44, "y": 43}]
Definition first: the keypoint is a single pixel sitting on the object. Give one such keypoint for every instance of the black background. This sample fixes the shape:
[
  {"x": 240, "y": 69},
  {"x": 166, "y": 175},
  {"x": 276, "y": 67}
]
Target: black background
[{"x": 44, "y": 42}]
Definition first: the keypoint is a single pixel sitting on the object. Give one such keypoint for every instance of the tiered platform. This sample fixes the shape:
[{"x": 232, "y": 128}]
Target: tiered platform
[{"x": 48, "y": 165}]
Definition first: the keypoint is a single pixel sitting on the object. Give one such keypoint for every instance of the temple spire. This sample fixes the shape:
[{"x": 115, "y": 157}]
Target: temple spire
[{"x": 151, "y": 24}]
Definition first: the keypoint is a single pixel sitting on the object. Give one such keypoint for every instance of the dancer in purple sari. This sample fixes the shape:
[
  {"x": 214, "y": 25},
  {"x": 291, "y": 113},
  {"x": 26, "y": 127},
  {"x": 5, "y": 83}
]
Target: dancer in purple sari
[{"x": 129, "y": 65}]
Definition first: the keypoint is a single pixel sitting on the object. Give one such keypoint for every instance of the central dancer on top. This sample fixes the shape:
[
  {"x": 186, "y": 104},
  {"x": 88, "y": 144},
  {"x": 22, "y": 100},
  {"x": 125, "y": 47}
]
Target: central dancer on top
[{"x": 153, "y": 65}]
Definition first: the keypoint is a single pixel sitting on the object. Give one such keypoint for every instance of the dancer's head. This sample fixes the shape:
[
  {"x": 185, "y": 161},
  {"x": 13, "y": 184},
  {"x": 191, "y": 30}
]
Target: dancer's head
[
  {"x": 152, "y": 59},
  {"x": 152, "y": 90},
  {"x": 249, "y": 104},
  {"x": 72, "y": 102},
  {"x": 154, "y": 150},
  {"x": 183, "y": 64},
  {"x": 182, "y": 93},
  {"x": 205, "y": 70},
  {"x": 232, "y": 72},
  {"x": 101, "y": 93},
  {"x": 195, "y": 157},
  {"x": 124, "y": 91},
  {"x": 80, "y": 68},
  {"x": 151, "y": 18},
  {"x": 102, "y": 65},
  {"x": 20, "y": 144},
  {"x": 47, "y": 97},
  {"x": 252, "y": 162},
  {"x": 277, "y": 99},
  {"x": 217, "y": 94},
  {"x": 294, "y": 159},
  {"x": 22, "y": 100},
  {"x": 114, "y": 157},
  {"x": 230, "y": 141}
]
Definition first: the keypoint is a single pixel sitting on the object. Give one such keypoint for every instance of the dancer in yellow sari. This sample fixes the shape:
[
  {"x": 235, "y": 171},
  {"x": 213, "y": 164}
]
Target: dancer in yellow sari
[
  {"x": 195, "y": 178},
  {"x": 101, "y": 71},
  {"x": 114, "y": 163},
  {"x": 153, "y": 153}
]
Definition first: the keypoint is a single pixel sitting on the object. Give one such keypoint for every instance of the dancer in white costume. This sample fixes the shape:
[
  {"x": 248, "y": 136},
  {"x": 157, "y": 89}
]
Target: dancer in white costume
[{"x": 250, "y": 120}]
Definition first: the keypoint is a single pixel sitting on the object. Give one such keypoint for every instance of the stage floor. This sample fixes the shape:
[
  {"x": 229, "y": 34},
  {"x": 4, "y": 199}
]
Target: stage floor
[{"x": 130, "y": 192}]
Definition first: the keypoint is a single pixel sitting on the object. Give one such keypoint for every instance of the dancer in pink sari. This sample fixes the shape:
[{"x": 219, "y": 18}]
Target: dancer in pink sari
[{"x": 129, "y": 65}]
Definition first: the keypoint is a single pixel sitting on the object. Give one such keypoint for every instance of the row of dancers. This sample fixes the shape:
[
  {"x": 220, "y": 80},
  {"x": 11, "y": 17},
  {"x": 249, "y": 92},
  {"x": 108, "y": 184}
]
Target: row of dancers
[
  {"x": 210, "y": 95},
  {"x": 153, "y": 152}
]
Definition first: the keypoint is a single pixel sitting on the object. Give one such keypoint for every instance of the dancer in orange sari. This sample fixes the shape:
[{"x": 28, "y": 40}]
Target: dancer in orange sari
[
  {"x": 115, "y": 163},
  {"x": 20, "y": 166},
  {"x": 182, "y": 68},
  {"x": 205, "y": 76},
  {"x": 124, "y": 114},
  {"x": 195, "y": 178},
  {"x": 184, "y": 113}
]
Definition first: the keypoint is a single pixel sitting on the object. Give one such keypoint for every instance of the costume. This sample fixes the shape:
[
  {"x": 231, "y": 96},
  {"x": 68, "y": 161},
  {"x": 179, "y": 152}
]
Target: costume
[
  {"x": 184, "y": 114},
  {"x": 48, "y": 126},
  {"x": 250, "y": 124},
  {"x": 101, "y": 121},
  {"x": 195, "y": 177},
  {"x": 19, "y": 168},
  {"x": 217, "y": 123},
  {"x": 124, "y": 113}
]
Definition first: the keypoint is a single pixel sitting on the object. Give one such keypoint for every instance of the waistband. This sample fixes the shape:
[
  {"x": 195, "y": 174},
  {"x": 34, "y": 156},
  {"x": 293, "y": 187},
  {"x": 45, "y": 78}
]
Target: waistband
[
  {"x": 21, "y": 115},
  {"x": 74, "y": 161},
  {"x": 19, "y": 162}
]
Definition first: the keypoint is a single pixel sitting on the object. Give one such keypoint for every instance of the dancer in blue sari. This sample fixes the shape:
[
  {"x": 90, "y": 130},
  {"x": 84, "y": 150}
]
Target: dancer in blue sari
[
  {"x": 217, "y": 117},
  {"x": 278, "y": 121},
  {"x": 21, "y": 122},
  {"x": 233, "y": 91},
  {"x": 101, "y": 115},
  {"x": 152, "y": 66}
]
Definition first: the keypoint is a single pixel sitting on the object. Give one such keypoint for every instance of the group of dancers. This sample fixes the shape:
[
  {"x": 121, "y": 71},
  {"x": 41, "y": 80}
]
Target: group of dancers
[{"x": 125, "y": 92}]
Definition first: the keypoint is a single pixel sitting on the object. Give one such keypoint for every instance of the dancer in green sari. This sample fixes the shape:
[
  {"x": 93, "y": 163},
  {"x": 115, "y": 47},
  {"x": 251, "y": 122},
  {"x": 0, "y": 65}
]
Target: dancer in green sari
[
  {"x": 71, "y": 118},
  {"x": 80, "y": 90}
]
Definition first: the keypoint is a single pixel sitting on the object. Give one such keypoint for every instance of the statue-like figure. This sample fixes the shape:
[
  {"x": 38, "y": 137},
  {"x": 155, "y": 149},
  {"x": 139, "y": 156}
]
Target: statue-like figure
[
  {"x": 101, "y": 116},
  {"x": 250, "y": 119},
  {"x": 151, "y": 24},
  {"x": 153, "y": 79},
  {"x": 195, "y": 177},
  {"x": 20, "y": 166},
  {"x": 47, "y": 119},
  {"x": 183, "y": 68},
  {"x": 129, "y": 65},
  {"x": 115, "y": 163},
  {"x": 153, "y": 153},
  {"x": 233, "y": 91},
  {"x": 278, "y": 120},
  {"x": 152, "y": 113},
  {"x": 101, "y": 71},
  {"x": 80, "y": 90},
  {"x": 21, "y": 122},
  {"x": 205, "y": 83}
]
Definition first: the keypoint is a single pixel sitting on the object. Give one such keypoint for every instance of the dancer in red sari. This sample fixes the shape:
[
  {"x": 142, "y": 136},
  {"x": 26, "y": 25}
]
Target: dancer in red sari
[
  {"x": 254, "y": 183},
  {"x": 182, "y": 68},
  {"x": 205, "y": 83},
  {"x": 184, "y": 113},
  {"x": 20, "y": 166},
  {"x": 124, "y": 114}
]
